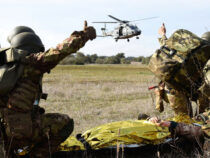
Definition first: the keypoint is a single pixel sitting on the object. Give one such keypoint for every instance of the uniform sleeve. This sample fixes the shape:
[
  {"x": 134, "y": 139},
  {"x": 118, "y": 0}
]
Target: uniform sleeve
[
  {"x": 188, "y": 130},
  {"x": 45, "y": 61},
  {"x": 162, "y": 40}
]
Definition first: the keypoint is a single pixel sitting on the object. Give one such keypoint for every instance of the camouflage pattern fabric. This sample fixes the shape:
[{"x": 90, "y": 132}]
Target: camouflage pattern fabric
[
  {"x": 183, "y": 41},
  {"x": 180, "y": 62},
  {"x": 23, "y": 125},
  {"x": 204, "y": 96},
  {"x": 160, "y": 97},
  {"x": 177, "y": 100},
  {"x": 162, "y": 40},
  {"x": 54, "y": 129},
  {"x": 42, "y": 135}
]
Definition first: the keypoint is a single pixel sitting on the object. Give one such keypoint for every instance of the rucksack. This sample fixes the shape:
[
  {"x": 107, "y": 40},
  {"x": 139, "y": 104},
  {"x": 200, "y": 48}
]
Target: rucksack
[
  {"x": 11, "y": 68},
  {"x": 181, "y": 61}
]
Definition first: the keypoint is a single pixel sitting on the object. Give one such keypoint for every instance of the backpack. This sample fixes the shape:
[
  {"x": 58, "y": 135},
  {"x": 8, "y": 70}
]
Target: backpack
[
  {"x": 10, "y": 68},
  {"x": 180, "y": 62}
]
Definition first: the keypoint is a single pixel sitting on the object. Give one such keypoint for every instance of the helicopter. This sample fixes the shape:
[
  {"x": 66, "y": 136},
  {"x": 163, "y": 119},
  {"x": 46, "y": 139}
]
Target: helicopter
[{"x": 125, "y": 30}]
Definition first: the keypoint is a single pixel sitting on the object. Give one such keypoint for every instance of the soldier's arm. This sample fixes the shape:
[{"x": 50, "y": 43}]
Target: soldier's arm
[
  {"x": 188, "y": 131},
  {"x": 45, "y": 61},
  {"x": 162, "y": 40},
  {"x": 162, "y": 33}
]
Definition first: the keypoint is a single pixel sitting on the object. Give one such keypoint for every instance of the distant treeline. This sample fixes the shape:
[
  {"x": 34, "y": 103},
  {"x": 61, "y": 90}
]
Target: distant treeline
[{"x": 81, "y": 59}]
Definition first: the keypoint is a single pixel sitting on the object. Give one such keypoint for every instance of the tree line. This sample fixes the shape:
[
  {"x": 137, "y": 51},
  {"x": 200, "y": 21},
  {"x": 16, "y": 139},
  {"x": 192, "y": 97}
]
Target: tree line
[{"x": 81, "y": 59}]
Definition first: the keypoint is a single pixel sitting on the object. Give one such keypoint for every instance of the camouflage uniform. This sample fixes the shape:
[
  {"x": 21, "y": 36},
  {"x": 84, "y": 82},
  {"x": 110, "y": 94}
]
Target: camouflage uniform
[
  {"x": 176, "y": 99},
  {"x": 23, "y": 124},
  {"x": 204, "y": 95},
  {"x": 173, "y": 63}
]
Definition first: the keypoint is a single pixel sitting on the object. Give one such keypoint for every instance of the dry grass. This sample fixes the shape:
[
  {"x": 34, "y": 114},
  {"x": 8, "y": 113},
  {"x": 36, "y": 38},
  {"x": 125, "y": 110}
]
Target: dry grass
[{"x": 96, "y": 94}]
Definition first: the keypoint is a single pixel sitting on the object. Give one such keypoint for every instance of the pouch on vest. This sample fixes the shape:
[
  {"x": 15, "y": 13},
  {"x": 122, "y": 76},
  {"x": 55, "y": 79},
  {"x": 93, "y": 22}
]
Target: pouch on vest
[
  {"x": 10, "y": 69},
  {"x": 182, "y": 69}
]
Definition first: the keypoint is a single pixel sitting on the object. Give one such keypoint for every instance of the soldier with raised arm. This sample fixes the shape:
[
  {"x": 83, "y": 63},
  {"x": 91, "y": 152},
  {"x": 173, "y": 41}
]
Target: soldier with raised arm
[
  {"x": 176, "y": 99},
  {"x": 24, "y": 123},
  {"x": 182, "y": 64}
]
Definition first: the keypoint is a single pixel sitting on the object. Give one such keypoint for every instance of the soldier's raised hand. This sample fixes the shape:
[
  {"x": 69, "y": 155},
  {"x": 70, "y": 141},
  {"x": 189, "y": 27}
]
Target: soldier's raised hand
[
  {"x": 162, "y": 30},
  {"x": 89, "y": 31}
]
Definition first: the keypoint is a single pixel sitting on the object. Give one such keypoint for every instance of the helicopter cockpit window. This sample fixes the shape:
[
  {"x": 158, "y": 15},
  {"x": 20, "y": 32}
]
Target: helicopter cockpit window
[{"x": 132, "y": 27}]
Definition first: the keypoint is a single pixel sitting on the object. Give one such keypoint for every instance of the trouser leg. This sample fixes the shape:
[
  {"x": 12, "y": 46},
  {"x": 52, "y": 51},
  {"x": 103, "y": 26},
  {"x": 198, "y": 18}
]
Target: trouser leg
[
  {"x": 55, "y": 129},
  {"x": 179, "y": 103},
  {"x": 203, "y": 103},
  {"x": 159, "y": 100}
]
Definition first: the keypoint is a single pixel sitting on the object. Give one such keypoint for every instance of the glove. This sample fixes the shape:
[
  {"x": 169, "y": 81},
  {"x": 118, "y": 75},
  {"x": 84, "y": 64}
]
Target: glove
[{"x": 88, "y": 33}]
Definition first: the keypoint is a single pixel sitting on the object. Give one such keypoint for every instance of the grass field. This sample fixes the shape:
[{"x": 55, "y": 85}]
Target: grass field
[{"x": 96, "y": 94}]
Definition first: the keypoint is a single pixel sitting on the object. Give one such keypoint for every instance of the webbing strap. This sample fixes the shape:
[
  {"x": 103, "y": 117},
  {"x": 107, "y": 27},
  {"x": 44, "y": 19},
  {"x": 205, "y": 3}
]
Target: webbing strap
[{"x": 84, "y": 142}]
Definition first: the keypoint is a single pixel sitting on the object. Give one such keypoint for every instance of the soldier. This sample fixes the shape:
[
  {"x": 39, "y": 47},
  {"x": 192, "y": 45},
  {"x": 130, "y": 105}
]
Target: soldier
[
  {"x": 23, "y": 121},
  {"x": 179, "y": 97},
  {"x": 176, "y": 99}
]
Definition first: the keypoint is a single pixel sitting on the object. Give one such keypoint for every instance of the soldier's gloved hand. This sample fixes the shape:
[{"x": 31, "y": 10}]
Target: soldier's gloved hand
[{"x": 89, "y": 31}]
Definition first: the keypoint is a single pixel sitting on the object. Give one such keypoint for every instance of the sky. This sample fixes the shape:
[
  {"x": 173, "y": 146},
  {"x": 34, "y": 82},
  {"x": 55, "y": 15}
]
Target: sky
[{"x": 55, "y": 20}]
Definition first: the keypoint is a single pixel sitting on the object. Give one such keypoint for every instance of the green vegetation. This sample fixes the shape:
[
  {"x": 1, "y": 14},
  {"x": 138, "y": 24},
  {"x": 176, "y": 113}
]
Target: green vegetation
[
  {"x": 96, "y": 94},
  {"x": 80, "y": 59}
]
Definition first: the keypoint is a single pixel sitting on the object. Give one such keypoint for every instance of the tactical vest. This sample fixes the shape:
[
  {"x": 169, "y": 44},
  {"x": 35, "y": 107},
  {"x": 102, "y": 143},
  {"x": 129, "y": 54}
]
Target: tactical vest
[
  {"x": 180, "y": 62},
  {"x": 10, "y": 68}
]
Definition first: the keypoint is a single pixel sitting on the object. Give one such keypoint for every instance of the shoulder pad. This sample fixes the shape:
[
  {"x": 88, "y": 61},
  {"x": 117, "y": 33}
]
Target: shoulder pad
[
  {"x": 13, "y": 55},
  {"x": 3, "y": 49},
  {"x": 183, "y": 41}
]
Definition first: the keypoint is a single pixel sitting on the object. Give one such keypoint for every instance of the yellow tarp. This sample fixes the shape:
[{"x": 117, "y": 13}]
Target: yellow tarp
[{"x": 123, "y": 132}]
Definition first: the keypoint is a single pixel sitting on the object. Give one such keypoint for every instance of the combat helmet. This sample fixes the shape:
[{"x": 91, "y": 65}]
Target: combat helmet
[
  {"x": 23, "y": 37},
  {"x": 17, "y": 30},
  {"x": 206, "y": 36}
]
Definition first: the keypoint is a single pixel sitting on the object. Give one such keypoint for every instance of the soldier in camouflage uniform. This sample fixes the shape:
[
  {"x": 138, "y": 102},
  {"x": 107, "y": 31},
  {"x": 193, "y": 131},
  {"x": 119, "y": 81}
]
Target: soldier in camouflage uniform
[
  {"x": 177, "y": 97},
  {"x": 23, "y": 121}
]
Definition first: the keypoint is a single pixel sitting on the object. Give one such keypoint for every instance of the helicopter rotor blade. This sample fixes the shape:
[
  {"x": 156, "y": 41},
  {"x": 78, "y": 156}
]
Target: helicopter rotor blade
[
  {"x": 105, "y": 22},
  {"x": 145, "y": 18},
  {"x": 121, "y": 21}
]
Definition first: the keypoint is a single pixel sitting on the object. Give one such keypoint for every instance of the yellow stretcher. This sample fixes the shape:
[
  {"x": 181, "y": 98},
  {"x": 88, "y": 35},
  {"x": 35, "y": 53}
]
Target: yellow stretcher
[{"x": 122, "y": 132}]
